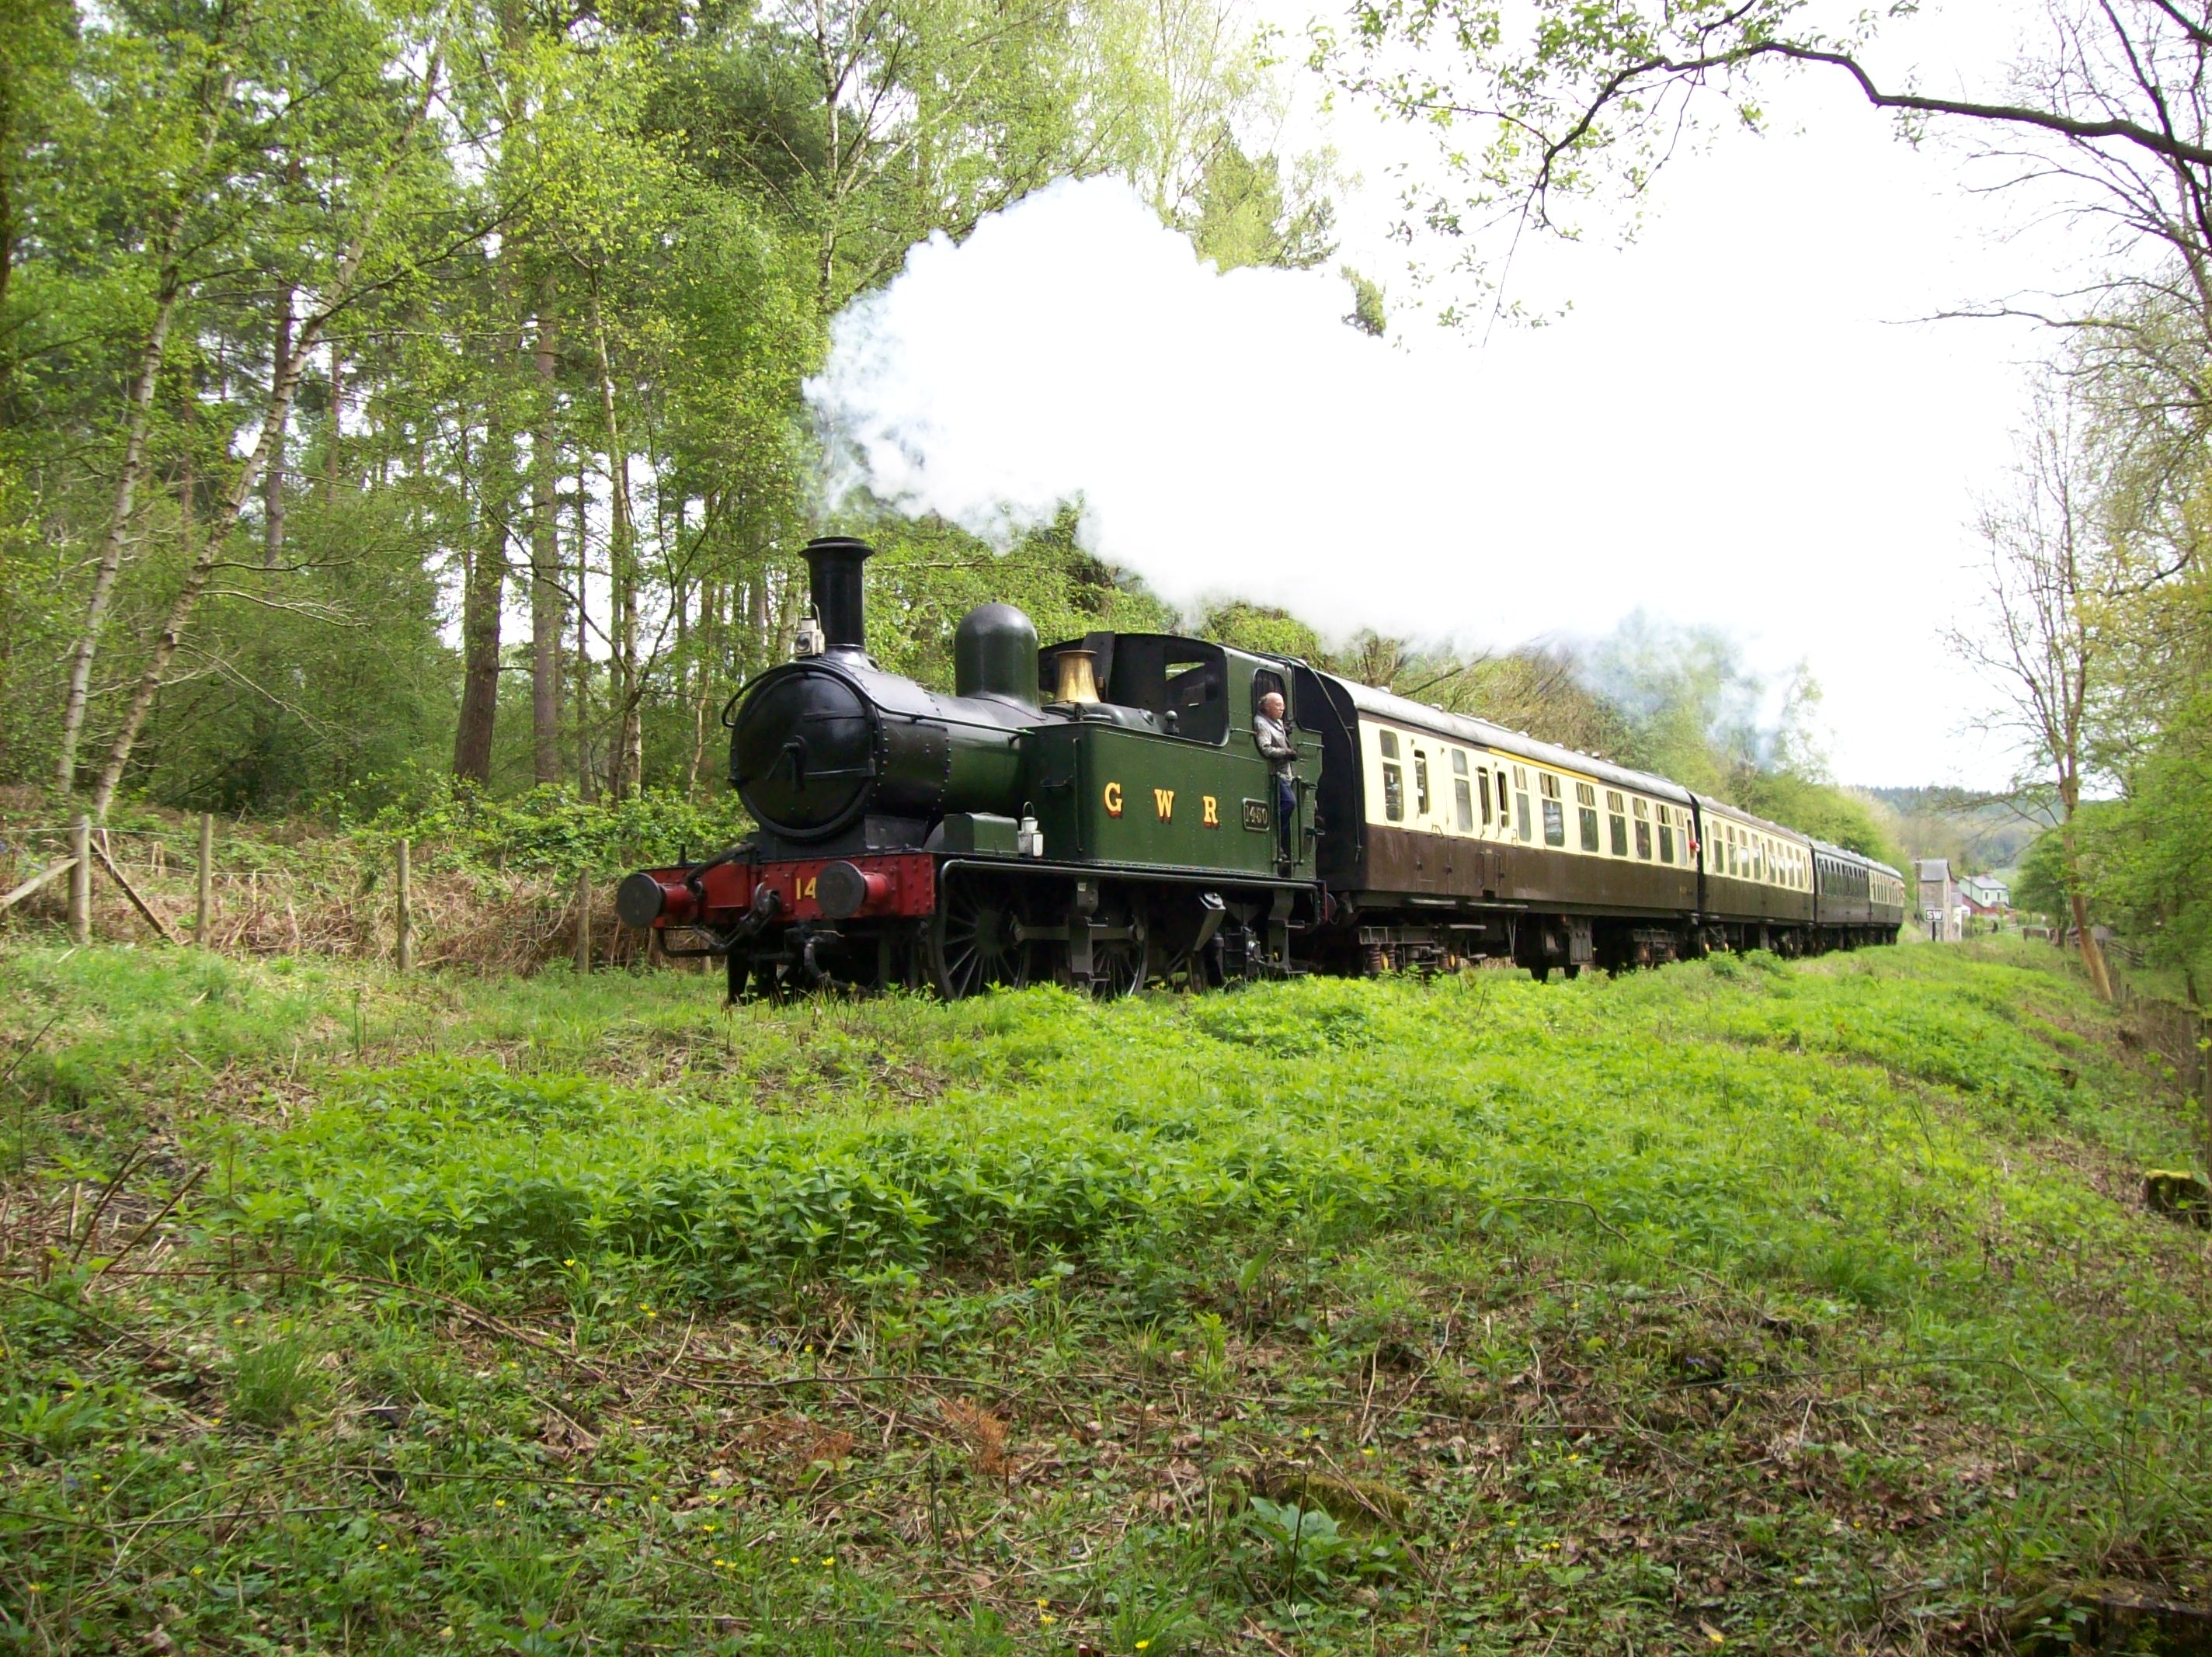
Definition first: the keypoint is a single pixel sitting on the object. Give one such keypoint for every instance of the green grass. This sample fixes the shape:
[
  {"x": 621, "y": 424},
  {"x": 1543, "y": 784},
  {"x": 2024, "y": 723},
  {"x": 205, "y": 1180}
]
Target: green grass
[{"x": 1782, "y": 1307}]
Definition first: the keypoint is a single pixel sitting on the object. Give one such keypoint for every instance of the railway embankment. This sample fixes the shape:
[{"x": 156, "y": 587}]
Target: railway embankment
[{"x": 1813, "y": 1305}]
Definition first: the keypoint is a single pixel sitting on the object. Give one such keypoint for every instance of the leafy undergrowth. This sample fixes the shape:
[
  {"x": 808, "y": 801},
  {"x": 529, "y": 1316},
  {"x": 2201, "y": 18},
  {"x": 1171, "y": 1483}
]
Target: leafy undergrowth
[{"x": 1779, "y": 1307}]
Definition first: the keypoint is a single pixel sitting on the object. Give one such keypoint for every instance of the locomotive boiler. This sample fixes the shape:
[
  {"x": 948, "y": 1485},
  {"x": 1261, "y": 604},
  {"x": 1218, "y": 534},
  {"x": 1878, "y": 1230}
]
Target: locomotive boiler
[{"x": 1097, "y": 812}]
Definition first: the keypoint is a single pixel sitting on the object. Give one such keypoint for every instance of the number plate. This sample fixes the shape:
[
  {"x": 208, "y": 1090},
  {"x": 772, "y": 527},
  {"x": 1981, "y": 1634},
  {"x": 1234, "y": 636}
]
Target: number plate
[{"x": 1255, "y": 815}]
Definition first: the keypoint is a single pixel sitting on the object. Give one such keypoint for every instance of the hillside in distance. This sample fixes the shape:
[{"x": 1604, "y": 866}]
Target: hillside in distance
[{"x": 1980, "y": 836}]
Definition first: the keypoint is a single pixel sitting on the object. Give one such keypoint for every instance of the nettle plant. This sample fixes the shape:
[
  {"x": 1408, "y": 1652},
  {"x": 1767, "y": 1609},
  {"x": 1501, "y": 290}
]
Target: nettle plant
[{"x": 1291, "y": 1552}]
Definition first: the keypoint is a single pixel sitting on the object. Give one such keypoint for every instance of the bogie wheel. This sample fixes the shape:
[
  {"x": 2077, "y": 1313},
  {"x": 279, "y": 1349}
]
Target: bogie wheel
[{"x": 973, "y": 943}]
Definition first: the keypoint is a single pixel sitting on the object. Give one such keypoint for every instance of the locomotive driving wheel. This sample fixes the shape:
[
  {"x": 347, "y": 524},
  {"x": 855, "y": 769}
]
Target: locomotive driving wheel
[
  {"x": 974, "y": 942},
  {"x": 1121, "y": 953}
]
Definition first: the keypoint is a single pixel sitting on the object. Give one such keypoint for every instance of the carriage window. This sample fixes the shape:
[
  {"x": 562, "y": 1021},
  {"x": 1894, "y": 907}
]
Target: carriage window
[
  {"x": 1462, "y": 793},
  {"x": 1521, "y": 805},
  {"x": 1393, "y": 791},
  {"x": 1389, "y": 741},
  {"x": 1484, "y": 777},
  {"x": 1555, "y": 817},
  {"x": 1643, "y": 832},
  {"x": 1666, "y": 835},
  {"x": 1586, "y": 810},
  {"x": 1420, "y": 782},
  {"x": 1616, "y": 818}
]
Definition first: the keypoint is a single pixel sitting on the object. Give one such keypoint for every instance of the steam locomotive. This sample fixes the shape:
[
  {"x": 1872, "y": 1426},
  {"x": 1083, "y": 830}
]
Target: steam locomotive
[{"x": 1097, "y": 812}]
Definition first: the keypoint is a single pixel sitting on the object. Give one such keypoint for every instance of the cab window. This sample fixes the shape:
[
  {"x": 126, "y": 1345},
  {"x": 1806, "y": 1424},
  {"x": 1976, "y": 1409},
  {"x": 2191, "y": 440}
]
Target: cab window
[{"x": 1183, "y": 683}]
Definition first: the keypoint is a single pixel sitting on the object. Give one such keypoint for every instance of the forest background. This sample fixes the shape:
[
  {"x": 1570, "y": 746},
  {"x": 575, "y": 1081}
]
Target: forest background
[{"x": 402, "y": 404}]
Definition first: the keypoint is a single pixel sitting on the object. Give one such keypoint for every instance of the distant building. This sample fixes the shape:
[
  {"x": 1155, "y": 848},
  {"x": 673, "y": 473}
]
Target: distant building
[
  {"x": 1990, "y": 896},
  {"x": 1938, "y": 900}
]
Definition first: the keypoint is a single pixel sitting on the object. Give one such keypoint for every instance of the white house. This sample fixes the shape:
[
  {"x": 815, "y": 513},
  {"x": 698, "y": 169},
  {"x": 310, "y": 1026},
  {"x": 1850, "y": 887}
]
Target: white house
[{"x": 1986, "y": 893}]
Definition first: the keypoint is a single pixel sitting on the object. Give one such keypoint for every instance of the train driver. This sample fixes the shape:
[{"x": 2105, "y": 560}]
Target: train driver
[{"x": 1273, "y": 737}]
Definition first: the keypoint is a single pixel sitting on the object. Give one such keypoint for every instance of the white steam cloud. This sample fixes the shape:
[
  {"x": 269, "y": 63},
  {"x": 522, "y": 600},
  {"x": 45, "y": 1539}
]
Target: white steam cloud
[
  {"x": 1227, "y": 434},
  {"x": 1726, "y": 433}
]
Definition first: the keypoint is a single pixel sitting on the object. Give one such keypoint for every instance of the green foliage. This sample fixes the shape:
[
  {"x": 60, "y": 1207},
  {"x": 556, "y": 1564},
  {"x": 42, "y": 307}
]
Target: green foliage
[
  {"x": 2041, "y": 884},
  {"x": 553, "y": 1310},
  {"x": 547, "y": 830},
  {"x": 2147, "y": 857},
  {"x": 1369, "y": 313},
  {"x": 1263, "y": 628},
  {"x": 1244, "y": 217}
]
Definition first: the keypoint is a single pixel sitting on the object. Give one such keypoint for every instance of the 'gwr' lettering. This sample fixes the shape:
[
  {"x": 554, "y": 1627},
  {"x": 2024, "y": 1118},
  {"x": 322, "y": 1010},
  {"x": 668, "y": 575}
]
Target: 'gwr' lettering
[
  {"x": 1211, "y": 815},
  {"x": 1113, "y": 799},
  {"x": 1164, "y": 803}
]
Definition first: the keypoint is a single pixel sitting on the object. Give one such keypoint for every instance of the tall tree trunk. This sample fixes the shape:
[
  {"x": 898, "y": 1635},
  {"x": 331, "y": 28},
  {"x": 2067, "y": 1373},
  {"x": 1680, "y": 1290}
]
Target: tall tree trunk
[
  {"x": 626, "y": 761},
  {"x": 331, "y": 453},
  {"x": 2092, "y": 953},
  {"x": 545, "y": 561},
  {"x": 283, "y": 387},
  {"x": 710, "y": 605},
  {"x": 169, "y": 288},
  {"x": 587, "y": 785},
  {"x": 482, "y": 592},
  {"x": 272, "y": 484}
]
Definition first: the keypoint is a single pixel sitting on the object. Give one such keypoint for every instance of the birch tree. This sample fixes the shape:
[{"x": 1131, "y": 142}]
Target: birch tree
[
  {"x": 364, "y": 255},
  {"x": 2044, "y": 640}
]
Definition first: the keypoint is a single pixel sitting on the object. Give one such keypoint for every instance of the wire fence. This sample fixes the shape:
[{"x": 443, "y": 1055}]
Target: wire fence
[{"x": 333, "y": 896}]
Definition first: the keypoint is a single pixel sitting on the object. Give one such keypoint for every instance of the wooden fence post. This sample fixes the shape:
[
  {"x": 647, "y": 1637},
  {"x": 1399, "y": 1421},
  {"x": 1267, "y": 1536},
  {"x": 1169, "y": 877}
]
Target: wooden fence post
[
  {"x": 205, "y": 916},
  {"x": 404, "y": 909},
  {"x": 80, "y": 902},
  {"x": 584, "y": 922}
]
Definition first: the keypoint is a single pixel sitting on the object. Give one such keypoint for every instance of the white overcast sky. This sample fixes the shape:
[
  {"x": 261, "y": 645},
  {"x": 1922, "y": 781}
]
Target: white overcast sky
[{"x": 1737, "y": 423}]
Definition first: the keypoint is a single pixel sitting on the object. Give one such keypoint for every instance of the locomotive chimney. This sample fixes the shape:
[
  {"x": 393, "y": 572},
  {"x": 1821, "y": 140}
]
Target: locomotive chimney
[{"x": 833, "y": 565}]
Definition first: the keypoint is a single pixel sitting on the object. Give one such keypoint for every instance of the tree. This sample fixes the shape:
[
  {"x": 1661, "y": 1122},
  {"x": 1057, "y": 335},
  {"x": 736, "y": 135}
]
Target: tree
[
  {"x": 1537, "y": 109},
  {"x": 359, "y": 252},
  {"x": 1243, "y": 216},
  {"x": 2044, "y": 644}
]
